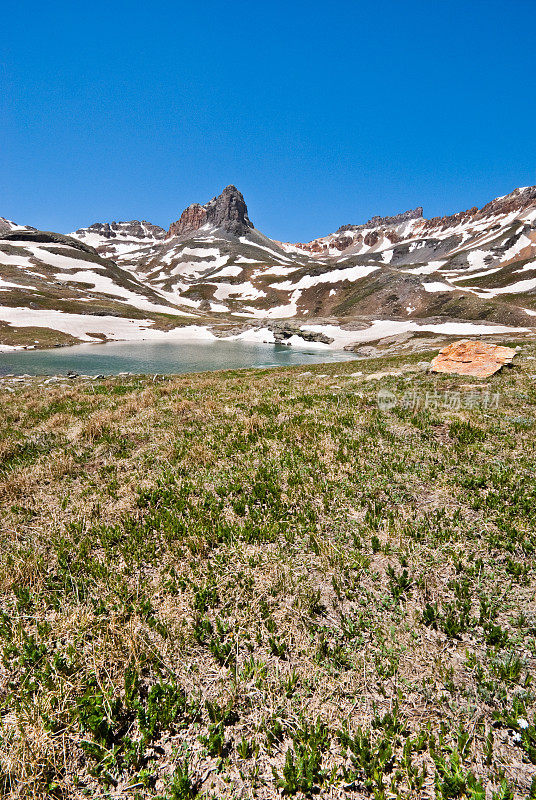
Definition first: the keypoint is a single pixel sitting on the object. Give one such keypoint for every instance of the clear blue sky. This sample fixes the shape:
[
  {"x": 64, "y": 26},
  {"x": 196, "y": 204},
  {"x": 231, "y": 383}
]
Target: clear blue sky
[{"x": 321, "y": 113}]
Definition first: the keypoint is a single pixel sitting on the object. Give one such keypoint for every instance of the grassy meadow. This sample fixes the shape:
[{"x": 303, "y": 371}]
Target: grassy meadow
[{"x": 260, "y": 584}]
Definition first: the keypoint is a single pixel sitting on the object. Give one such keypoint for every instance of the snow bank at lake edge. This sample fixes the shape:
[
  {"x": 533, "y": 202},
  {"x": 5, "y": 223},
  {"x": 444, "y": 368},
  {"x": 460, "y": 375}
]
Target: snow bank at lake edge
[{"x": 88, "y": 328}]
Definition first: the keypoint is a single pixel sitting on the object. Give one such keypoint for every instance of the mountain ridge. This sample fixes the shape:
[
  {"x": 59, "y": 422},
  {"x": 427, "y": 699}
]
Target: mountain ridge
[{"x": 213, "y": 265}]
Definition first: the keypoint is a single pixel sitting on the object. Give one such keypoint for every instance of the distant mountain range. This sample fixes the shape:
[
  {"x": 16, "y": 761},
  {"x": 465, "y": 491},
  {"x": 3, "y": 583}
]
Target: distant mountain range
[{"x": 212, "y": 270}]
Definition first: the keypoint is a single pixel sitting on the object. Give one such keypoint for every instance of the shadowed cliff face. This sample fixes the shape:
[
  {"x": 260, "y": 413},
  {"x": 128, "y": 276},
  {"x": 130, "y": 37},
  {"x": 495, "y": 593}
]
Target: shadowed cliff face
[{"x": 228, "y": 210}]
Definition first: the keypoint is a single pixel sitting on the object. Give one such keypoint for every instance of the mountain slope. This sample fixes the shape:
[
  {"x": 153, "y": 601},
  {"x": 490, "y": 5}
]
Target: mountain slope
[
  {"x": 477, "y": 266},
  {"x": 214, "y": 259},
  {"x": 53, "y": 284},
  {"x": 209, "y": 259}
]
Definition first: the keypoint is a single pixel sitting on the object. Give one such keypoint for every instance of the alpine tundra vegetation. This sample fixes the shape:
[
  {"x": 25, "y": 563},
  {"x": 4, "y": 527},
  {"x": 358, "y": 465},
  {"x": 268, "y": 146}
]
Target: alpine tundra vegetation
[
  {"x": 269, "y": 583},
  {"x": 267, "y": 400}
]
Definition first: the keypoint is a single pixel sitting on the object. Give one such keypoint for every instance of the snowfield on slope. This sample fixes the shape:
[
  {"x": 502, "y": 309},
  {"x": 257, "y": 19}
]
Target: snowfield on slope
[
  {"x": 105, "y": 285},
  {"x": 438, "y": 286},
  {"x": 335, "y": 276},
  {"x": 513, "y": 288},
  {"x": 87, "y": 327},
  {"x": 382, "y": 328}
]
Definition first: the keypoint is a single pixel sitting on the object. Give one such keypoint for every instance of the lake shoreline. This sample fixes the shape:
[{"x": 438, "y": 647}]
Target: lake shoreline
[
  {"x": 320, "y": 334},
  {"x": 162, "y": 357}
]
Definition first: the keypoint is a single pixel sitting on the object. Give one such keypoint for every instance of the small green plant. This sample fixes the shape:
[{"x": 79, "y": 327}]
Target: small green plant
[
  {"x": 400, "y": 584},
  {"x": 302, "y": 771},
  {"x": 372, "y": 757},
  {"x": 495, "y": 635},
  {"x": 454, "y": 620},
  {"x": 290, "y": 683},
  {"x": 274, "y": 729},
  {"x": 505, "y": 792},
  {"x": 516, "y": 720},
  {"x": 332, "y": 652},
  {"x": 206, "y": 597},
  {"x": 517, "y": 569},
  {"x": 214, "y": 740},
  {"x": 277, "y": 647},
  {"x": 181, "y": 786},
  {"x": 222, "y": 645},
  {"x": 244, "y": 748},
  {"x": 165, "y": 708},
  {"x": 453, "y": 781},
  {"x": 509, "y": 668}
]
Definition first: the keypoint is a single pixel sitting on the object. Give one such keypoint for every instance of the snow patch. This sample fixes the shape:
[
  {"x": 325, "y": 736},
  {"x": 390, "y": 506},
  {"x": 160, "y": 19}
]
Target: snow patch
[
  {"x": 335, "y": 276},
  {"x": 427, "y": 269},
  {"x": 379, "y": 329},
  {"x": 227, "y": 272},
  {"x": 438, "y": 286},
  {"x": 513, "y": 288},
  {"x": 263, "y": 335},
  {"x": 246, "y": 291},
  {"x": 87, "y": 327},
  {"x": 247, "y": 241},
  {"x": 203, "y": 252}
]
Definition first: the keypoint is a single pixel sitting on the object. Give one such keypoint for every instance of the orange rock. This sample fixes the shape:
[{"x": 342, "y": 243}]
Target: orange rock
[
  {"x": 472, "y": 358},
  {"x": 192, "y": 218}
]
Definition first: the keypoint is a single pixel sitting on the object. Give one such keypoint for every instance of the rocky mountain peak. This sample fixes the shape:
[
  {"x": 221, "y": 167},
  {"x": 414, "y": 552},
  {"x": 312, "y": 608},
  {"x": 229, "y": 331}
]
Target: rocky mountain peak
[
  {"x": 515, "y": 201},
  {"x": 191, "y": 219},
  {"x": 379, "y": 222},
  {"x": 228, "y": 211}
]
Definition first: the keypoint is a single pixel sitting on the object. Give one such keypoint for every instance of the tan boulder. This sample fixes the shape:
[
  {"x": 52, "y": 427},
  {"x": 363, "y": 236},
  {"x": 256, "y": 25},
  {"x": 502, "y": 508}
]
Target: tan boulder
[{"x": 467, "y": 357}]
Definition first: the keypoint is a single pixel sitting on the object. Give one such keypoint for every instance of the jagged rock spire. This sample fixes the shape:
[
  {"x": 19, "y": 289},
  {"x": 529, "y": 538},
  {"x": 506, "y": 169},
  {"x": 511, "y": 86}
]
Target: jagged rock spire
[{"x": 228, "y": 211}]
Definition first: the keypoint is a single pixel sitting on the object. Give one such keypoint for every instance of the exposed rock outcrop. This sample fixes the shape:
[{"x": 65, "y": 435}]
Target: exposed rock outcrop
[
  {"x": 133, "y": 229},
  {"x": 283, "y": 331},
  {"x": 382, "y": 222},
  {"x": 191, "y": 219},
  {"x": 397, "y": 219},
  {"x": 450, "y": 221},
  {"x": 228, "y": 211},
  {"x": 319, "y": 247},
  {"x": 514, "y": 201},
  {"x": 478, "y": 359},
  {"x": 371, "y": 238}
]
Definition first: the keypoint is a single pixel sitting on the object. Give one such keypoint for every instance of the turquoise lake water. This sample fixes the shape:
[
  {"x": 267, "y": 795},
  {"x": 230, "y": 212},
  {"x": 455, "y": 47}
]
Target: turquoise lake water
[{"x": 164, "y": 358}]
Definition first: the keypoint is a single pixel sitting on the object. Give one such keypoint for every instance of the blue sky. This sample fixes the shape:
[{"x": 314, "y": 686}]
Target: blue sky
[{"x": 322, "y": 114}]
